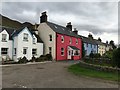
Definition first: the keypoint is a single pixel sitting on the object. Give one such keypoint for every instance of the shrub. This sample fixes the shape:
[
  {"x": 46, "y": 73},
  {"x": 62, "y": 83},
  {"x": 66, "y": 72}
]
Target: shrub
[
  {"x": 96, "y": 55},
  {"x": 48, "y": 57},
  {"x": 116, "y": 57},
  {"x": 23, "y": 60}
]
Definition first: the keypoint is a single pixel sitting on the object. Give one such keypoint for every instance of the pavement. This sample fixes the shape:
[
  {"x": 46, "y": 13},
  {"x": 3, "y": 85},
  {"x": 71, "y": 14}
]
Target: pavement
[{"x": 48, "y": 75}]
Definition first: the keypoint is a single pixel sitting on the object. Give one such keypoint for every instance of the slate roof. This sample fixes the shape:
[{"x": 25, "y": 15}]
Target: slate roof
[
  {"x": 13, "y": 32},
  {"x": 73, "y": 47},
  {"x": 61, "y": 29},
  {"x": 88, "y": 40}
]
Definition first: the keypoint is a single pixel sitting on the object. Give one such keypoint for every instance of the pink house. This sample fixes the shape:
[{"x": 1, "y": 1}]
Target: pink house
[{"x": 59, "y": 41}]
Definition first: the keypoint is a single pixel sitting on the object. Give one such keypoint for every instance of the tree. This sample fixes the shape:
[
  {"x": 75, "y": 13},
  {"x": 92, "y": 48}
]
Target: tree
[
  {"x": 113, "y": 44},
  {"x": 116, "y": 57},
  {"x": 83, "y": 50}
]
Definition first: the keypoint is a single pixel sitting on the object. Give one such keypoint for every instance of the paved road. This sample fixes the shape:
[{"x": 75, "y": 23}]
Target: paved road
[{"x": 48, "y": 75}]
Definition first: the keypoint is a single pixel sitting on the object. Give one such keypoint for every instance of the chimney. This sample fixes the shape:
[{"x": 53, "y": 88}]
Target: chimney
[
  {"x": 43, "y": 18},
  {"x": 69, "y": 26},
  {"x": 90, "y": 36},
  {"x": 99, "y": 39},
  {"x": 35, "y": 26},
  {"x": 75, "y": 31}
]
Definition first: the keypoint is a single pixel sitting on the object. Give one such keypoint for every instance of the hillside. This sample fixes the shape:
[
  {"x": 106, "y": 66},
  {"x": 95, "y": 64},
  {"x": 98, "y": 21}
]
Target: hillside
[{"x": 12, "y": 23}]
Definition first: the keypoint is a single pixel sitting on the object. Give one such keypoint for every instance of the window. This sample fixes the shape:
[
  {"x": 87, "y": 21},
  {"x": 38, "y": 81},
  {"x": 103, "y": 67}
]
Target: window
[
  {"x": 25, "y": 37},
  {"x": 4, "y": 51},
  {"x": 70, "y": 40},
  {"x": 34, "y": 51},
  {"x": 86, "y": 44},
  {"x": 4, "y": 37},
  {"x": 62, "y": 51},
  {"x": 50, "y": 37},
  {"x": 76, "y": 41},
  {"x": 33, "y": 40},
  {"x": 62, "y": 39},
  {"x": 94, "y": 46},
  {"x": 25, "y": 50},
  {"x": 14, "y": 51},
  {"x": 50, "y": 50},
  {"x": 76, "y": 52}
]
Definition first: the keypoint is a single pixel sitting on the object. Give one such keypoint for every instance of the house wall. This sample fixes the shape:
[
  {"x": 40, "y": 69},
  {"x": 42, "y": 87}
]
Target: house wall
[
  {"x": 7, "y": 44},
  {"x": 101, "y": 49},
  {"x": 65, "y": 46},
  {"x": 20, "y": 44},
  {"x": 89, "y": 48},
  {"x": 44, "y": 31}
]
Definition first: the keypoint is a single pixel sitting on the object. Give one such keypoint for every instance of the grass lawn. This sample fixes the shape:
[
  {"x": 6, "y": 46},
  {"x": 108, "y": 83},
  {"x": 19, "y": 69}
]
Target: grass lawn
[{"x": 79, "y": 70}]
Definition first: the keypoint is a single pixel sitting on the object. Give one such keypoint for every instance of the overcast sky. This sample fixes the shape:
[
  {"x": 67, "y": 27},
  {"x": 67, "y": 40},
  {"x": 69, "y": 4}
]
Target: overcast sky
[{"x": 98, "y": 18}]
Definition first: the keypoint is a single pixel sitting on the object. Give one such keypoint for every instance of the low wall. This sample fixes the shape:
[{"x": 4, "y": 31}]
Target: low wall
[{"x": 99, "y": 68}]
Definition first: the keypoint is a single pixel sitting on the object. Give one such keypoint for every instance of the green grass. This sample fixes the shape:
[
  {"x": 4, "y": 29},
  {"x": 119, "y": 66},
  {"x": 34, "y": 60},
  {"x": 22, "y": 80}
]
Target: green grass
[{"x": 79, "y": 70}]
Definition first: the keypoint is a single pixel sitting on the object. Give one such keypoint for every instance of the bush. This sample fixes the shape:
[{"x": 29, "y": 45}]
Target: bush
[
  {"x": 48, "y": 57},
  {"x": 116, "y": 57},
  {"x": 23, "y": 60},
  {"x": 96, "y": 55}
]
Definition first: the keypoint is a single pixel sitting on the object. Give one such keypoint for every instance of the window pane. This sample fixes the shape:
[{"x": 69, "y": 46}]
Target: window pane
[
  {"x": 34, "y": 51},
  {"x": 4, "y": 50},
  {"x": 4, "y": 37},
  {"x": 50, "y": 36},
  {"x": 25, "y": 37}
]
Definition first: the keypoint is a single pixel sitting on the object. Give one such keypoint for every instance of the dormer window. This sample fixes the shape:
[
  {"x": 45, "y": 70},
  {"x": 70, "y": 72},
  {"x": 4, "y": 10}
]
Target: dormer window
[
  {"x": 62, "y": 39},
  {"x": 50, "y": 37},
  {"x": 25, "y": 37},
  {"x": 4, "y": 37}
]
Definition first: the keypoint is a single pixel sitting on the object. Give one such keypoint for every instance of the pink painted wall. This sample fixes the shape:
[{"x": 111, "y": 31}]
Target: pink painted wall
[{"x": 66, "y": 43}]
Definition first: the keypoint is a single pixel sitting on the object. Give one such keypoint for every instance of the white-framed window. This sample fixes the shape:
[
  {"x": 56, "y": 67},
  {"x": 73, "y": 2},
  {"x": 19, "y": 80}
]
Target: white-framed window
[
  {"x": 50, "y": 37},
  {"x": 34, "y": 51},
  {"x": 62, "y": 39},
  {"x": 4, "y": 51},
  {"x": 76, "y": 41},
  {"x": 91, "y": 45},
  {"x": 25, "y": 37},
  {"x": 70, "y": 40},
  {"x": 25, "y": 50},
  {"x": 76, "y": 52},
  {"x": 33, "y": 40},
  {"x": 50, "y": 50},
  {"x": 62, "y": 51},
  {"x": 14, "y": 52},
  {"x": 4, "y": 37}
]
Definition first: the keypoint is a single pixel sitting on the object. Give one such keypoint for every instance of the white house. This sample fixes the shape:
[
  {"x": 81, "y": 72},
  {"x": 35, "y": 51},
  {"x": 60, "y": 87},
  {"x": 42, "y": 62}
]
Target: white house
[{"x": 16, "y": 44}]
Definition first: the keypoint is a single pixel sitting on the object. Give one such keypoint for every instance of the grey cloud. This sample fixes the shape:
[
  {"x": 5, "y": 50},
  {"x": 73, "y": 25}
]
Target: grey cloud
[{"x": 89, "y": 15}]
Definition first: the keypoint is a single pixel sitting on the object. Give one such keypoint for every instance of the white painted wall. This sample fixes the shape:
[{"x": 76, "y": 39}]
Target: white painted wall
[
  {"x": 44, "y": 31},
  {"x": 7, "y": 44},
  {"x": 20, "y": 44}
]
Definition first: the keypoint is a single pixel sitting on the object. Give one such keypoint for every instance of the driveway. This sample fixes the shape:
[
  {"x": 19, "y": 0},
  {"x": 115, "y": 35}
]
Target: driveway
[{"x": 48, "y": 75}]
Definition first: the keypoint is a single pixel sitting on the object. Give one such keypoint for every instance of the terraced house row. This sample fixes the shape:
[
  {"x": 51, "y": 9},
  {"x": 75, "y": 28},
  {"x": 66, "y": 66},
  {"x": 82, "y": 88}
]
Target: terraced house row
[{"x": 62, "y": 42}]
